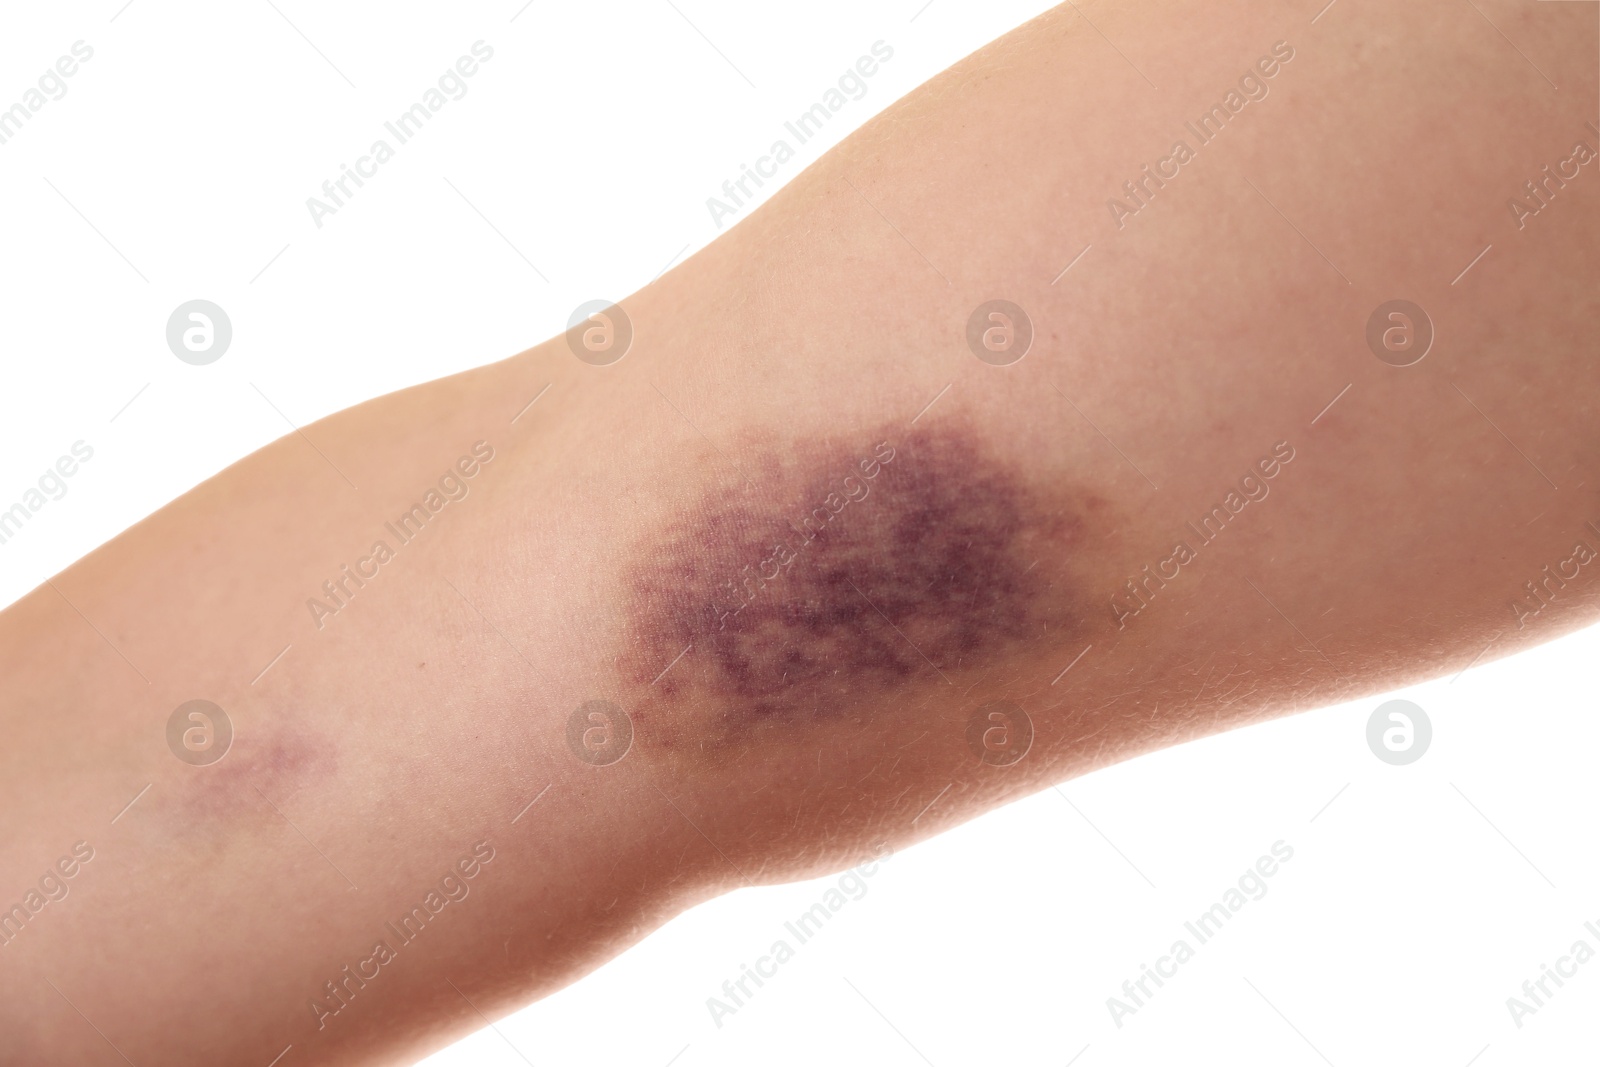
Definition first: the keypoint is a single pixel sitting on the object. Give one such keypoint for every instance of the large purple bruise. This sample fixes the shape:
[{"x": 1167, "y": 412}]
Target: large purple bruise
[{"x": 915, "y": 558}]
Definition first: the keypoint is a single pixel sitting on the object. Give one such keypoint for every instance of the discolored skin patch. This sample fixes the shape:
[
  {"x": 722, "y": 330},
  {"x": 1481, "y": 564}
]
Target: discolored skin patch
[
  {"x": 249, "y": 787},
  {"x": 850, "y": 573}
]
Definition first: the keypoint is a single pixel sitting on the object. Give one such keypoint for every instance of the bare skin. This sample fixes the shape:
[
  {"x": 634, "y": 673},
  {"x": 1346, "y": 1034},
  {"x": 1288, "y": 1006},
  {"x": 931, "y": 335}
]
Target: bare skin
[{"x": 1195, "y": 345}]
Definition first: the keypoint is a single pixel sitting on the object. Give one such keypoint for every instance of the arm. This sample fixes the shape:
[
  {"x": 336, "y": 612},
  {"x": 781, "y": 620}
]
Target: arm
[{"x": 800, "y": 685}]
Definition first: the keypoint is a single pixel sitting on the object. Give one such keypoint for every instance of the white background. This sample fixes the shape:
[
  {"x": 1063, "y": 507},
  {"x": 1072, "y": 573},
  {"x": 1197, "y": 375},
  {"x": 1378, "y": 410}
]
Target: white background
[{"x": 577, "y": 166}]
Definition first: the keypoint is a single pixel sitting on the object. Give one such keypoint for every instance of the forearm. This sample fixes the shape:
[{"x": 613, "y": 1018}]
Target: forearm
[
  {"x": 418, "y": 711},
  {"x": 384, "y": 729}
]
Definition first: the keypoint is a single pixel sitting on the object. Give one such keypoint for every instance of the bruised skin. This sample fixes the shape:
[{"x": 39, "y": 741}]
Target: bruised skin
[
  {"x": 1208, "y": 330},
  {"x": 843, "y": 574}
]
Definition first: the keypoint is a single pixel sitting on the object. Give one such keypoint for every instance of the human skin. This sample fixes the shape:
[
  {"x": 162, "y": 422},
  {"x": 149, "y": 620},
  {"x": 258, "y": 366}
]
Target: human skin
[{"x": 426, "y": 714}]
